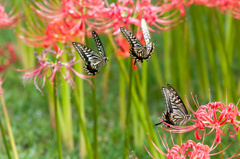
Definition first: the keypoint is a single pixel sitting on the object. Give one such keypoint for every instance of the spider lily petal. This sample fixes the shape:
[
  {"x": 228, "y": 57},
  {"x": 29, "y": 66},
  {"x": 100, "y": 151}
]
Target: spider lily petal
[{"x": 52, "y": 65}]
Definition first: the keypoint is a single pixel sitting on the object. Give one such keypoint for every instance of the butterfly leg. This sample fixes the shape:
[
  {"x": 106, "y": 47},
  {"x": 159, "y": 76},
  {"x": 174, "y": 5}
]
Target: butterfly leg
[{"x": 135, "y": 62}]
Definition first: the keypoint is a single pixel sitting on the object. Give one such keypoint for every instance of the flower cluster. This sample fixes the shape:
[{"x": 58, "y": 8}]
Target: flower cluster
[
  {"x": 50, "y": 62},
  {"x": 74, "y": 19},
  {"x": 189, "y": 149},
  {"x": 212, "y": 117},
  {"x": 231, "y": 7},
  {"x": 215, "y": 116}
]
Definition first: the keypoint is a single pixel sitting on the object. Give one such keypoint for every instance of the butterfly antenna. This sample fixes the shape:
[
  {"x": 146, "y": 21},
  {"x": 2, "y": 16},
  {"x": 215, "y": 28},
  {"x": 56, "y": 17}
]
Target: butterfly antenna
[
  {"x": 194, "y": 100},
  {"x": 111, "y": 52},
  {"x": 197, "y": 100},
  {"x": 188, "y": 105}
]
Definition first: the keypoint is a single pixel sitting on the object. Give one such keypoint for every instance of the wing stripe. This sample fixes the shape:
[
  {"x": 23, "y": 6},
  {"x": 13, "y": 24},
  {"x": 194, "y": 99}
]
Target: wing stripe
[{"x": 98, "y": 43}]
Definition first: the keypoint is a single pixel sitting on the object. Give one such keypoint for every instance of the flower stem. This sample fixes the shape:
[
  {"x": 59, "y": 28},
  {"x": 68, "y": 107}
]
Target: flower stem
[
  {"x": 122, "y": 101},
  {"x": 4, "y": 140},
  {"x": 126, "y": 144},
  {"x": 59, "y": 146},
  {"x": 9, "y": 128},
  {"x": 66, "y": 107},
  {"x": 95, "y": 119},
  {"x": 220, "y": 149}
]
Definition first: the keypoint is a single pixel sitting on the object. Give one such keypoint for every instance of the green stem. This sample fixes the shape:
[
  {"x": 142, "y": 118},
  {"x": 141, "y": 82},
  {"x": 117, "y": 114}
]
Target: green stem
[
  {"x": 85, "y": 139},
  {"x": 95, "y": 119},
  {"x": 122, "y": 101},
  {"x": 4, "y": 140},
  {"x": 127, "y": 131},
  {"x": 211, "y": 57},
  {"x": 59, "y": 146},
  {"x": 167, "y": 62},
  {"x": 227, "y": 72},
  {"x": 9, "y": 128},
  {"x": 220, "y": 149},
  {"x": 106, "y": 78},
  {"x": 201, "y": 62},
  {"x": 66, "y": 107},
  {"x": 79, "y": 98}
]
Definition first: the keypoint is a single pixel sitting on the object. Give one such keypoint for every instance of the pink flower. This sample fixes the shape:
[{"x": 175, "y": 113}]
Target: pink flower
[
  {"x": 178, "y": 4},
  {"x": 215, "y": 115},
  {"x": 212, "y": 116},
  {"x": 129, "y": 12},
  {"x": 190, "y": 149},
  {"x": 226, "y": 6},
  {"x": 7, "y": 21},
  {"x": 48, "y": 67},
  {"x": 66, "y": 20}
]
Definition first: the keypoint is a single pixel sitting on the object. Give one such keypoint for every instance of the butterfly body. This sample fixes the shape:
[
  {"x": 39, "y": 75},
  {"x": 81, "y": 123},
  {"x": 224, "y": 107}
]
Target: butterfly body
[
  {"x": 94, "y": 61},
  {"x": 166, "y": 116},
  {"x": 138, "y": 51},
  {"x": 176, "y": 110}
]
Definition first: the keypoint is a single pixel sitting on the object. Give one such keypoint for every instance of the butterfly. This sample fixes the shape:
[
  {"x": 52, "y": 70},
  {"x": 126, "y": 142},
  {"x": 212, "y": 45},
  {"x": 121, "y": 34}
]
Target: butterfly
[
  {"x": 138, "y": 51},
  {"x": 94, "y": 61},
  {"x": 176, "y": 110}
]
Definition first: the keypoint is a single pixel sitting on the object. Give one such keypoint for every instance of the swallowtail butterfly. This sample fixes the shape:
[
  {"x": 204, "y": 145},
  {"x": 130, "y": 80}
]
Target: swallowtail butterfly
[
  {"x": 94, "y": 61},
  {"x": 176, "y": 110},
  {"x": 138, "y": 51}
]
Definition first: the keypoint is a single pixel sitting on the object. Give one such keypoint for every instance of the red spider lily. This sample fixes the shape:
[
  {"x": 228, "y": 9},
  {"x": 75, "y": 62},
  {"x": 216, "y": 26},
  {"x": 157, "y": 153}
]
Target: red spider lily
[
  {"x": 218, "y": 3},
  {"x": 124, "y": 45},
  {"x": 190, "y": 149},
  {"x": 52, "y": 66},
  {"x": 178, "y": 4},
  {"x": 7, "y": 56},
  {"x": 55, "y": 31},
  {"x": 226, "y": 6},
  {"x": 67, "y": 20},
  {"x": 7, "y": 21},
  {"x": 213, "y": 116},
  {"x": 127, "y": 12}
]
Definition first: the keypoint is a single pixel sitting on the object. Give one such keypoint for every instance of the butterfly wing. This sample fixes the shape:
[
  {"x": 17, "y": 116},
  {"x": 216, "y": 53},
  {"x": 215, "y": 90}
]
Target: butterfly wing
[
  {"x": 134, "y": 42},
  {"x": 86, "y": 53},
  {"x": 145, "y": 31},
  {"x": 176, "y": 101},
  {"x": 98, "y": 43},
  {"x": 167, "y": 101},
  {"x": 179, "y": 111}
]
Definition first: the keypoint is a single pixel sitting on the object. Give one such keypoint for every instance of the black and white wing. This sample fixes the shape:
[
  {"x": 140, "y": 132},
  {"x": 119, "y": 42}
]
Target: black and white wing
[
  {"x": 86, "y": 53},
  {"x": 176, "y": 101},
  {"x": 167, "y": 101},
  {"x": 99, "y": 44},
  {"x": 145, "y": 31},
  {"x": 134, "y": 42},
  {"x": 179, "y": 111}
]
